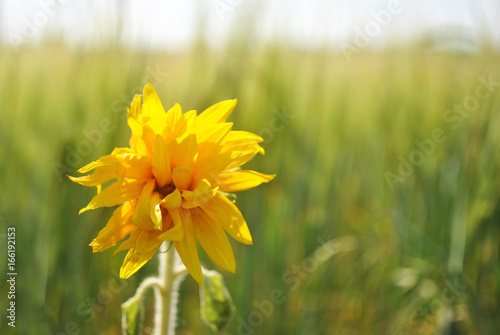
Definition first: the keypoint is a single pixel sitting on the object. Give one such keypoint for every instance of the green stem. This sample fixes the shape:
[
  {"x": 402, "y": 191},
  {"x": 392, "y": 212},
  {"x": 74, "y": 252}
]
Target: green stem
[{"x": 166, "y": 308}]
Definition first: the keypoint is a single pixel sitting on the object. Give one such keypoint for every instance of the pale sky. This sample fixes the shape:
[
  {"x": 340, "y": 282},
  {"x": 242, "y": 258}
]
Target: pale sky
[{"x": 172, "y": 24}]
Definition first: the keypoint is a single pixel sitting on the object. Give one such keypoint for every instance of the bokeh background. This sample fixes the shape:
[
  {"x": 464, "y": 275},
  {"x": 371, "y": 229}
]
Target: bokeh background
[{"x": 385, "y": 140}]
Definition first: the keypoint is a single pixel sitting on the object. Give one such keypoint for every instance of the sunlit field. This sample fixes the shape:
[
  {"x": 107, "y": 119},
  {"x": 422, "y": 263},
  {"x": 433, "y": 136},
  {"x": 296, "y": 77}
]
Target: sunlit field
[{"x": 395, "y": 156}]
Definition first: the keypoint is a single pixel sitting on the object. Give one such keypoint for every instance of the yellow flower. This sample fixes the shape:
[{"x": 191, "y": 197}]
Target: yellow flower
[{"x": 171, "y": 184}]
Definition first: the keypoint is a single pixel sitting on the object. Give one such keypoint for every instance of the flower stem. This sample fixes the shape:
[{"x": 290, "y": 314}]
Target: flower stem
[{"x": 166, "y": 312}]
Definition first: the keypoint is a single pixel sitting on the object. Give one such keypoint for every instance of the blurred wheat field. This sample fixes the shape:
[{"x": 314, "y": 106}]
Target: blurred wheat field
[{"x": 425, "y": 256}]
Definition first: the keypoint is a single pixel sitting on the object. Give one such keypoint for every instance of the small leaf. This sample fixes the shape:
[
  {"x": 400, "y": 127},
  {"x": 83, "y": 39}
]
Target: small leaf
[
  {"x": 130, "y": 313},
  {"x": 216, "y": 305},
  {"x": 133, "y": 308}
]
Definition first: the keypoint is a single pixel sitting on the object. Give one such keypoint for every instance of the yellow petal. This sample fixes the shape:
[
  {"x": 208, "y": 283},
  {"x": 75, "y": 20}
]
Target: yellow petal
[
  {"x": 239, "y": 137},
  {"x": 155, "y": 211},
  {"x": 202, "y": 193},
  {"x": 117, "y": 228},
  {"x": 97, "y": 178},
  {"x": 210, "y": 140},
  {"x": 190, "y": 117},
  {"x": 186, "y": 248},
  {"x": 172, "y": 116},
  {"x": 241, "y": 180},
  {"x": 133, "y": 117},
  {"x": 161, "y": 162},
  {"x": 173, "y": 200},
  {"x": 115, "y": 194},
  {"x": 207, "y": 149},
  {"x": 184, "y": 151},
  {"x": 135, "y": 260},
  {"x": 122, "y": 151},
  {"x": 148, "y": 137},
  {"x": 130, "y": 242},
  {"x": 224, "y": 212},
  {"x": 135, "y": 107},
  {"x": 217, "y": 113},
  {"x": 143, "y": 136},
  {"x": 134, "y": 166},
  {"x": 183, "y": 126},
  {"x": 107, "y": 162},
  {"x": 142, "y": 216},
  {"x": 182, "y": 177},
  {"x": 122, "y": 164},
  {"x": 215, "y": 133},
  {"x": 175, "y": 233},
  {"x": 136, "y": 141},
  {"x": 244, "y": 142},
  {"x": 214, "y": 240},
  {"x": 153, "y": 113},
  {"x": 210, "y": 167},
  {"x": 246, "y": 155},
  {"x": 148, "y": 241}
]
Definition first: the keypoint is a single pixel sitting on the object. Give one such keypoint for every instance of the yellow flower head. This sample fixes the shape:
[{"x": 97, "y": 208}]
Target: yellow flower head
[{"x": 170, "y": 184}]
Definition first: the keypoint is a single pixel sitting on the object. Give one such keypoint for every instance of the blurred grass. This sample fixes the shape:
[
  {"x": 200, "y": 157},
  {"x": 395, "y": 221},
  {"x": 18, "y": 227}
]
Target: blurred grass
[{"x": 348, "y": 124}]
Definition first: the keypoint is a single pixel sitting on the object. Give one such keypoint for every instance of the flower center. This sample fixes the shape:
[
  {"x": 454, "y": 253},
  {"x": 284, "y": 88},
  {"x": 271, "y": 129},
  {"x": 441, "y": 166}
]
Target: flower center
[{"x": 165, "y": 190}]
